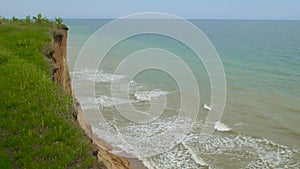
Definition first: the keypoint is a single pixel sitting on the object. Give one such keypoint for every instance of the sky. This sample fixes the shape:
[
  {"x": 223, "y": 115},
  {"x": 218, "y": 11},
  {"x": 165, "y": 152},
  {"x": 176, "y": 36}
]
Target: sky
[{"x": 189, "y": 9}]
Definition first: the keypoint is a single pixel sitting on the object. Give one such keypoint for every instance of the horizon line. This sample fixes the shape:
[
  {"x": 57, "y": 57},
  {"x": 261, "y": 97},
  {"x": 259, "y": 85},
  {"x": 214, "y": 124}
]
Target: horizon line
[{"x": 217, "y": 19}]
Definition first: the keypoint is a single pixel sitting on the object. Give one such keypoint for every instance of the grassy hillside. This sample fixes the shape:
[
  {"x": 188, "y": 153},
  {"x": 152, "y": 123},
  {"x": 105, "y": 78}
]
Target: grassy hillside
[{"x": 37, "y": 129}]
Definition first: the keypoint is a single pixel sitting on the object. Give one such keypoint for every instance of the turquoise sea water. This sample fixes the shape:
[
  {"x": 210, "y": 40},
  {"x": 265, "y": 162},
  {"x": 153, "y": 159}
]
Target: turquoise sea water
[{"x": 262, "y": 65}]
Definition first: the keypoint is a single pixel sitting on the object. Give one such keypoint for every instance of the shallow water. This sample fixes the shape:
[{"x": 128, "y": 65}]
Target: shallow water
[{"x": 262, "y": 65}]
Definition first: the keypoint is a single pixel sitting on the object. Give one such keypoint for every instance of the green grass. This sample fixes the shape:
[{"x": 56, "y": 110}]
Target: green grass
[{"x": 37, "y": 129}]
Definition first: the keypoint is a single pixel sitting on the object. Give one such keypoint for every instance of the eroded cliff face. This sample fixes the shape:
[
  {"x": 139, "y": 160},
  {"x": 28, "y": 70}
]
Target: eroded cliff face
[
  {"x": 60, "y": 69},
  {"x": 61, "y": 75}
]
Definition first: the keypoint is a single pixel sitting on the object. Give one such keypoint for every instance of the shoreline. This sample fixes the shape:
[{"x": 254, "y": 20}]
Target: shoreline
[
  {"x": 61, "y": 75},
  {"x": 136, "y": 163},
  {"x": 101, "y": 144}
]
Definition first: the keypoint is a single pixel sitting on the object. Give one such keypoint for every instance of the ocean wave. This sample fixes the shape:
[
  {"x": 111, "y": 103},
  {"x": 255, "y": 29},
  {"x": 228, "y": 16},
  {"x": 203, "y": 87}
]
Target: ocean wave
[
  {"x": 243, "y": 151},
  {"x": 176, "y": 157},
  {"x": 221, "y": 126},
  {"x": 141, "y": 139},
  {"x": 247, "y": 151},
  {"x": 102, "y": 101},
  {"x": 132, "y": 87},
  {"x": 96, "y": 75},
  {"x": 227, "y": 152},
  {"x": 148, "y": 95},
  {"x": 107, "y": 101}
]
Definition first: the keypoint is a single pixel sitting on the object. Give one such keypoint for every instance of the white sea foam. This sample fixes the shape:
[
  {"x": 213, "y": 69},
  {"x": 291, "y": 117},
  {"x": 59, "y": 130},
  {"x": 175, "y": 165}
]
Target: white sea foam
[
  {"x": 148, "y": 95},
  {"x": 108, "y": 77},
  {"x": 246, "y": 150},
  {"x": 144, "y": 138},
  {"x": 217, "y": 149},
  {"x": 195, "y": 157},
  {"x": 107, "y": 101},
  {"x": 97, "y": 75},
  {"x": 101, "y": 76},
  {"x": 102, "y": 101},
  {"x": 219, "y": 152},
  {"x": 88, "y": 103},
  {"x": 176, "y": 157},
  {"x": 132, "y": 86},
  {"x": 111, "y": 136},
  {"x": 221, "y": 126}
]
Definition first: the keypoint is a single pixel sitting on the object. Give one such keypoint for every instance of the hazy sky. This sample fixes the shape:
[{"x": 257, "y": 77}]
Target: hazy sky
[{"x": 208, "y": 9}]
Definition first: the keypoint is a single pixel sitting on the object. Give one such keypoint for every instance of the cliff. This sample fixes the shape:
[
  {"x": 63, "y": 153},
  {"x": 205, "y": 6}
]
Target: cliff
[
  {"x": 61, "y": 75},
  {"x": 59, "y": 59}
]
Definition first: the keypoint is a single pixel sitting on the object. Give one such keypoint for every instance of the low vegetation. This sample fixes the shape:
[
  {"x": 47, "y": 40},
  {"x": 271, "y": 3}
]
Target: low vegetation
[
  {"x": 28, "y": 19},
  {"x": 37, "y": 129}
]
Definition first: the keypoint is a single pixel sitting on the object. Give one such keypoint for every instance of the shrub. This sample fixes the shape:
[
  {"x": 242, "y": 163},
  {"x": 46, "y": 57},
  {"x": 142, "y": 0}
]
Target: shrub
[
  {"x": 39, "y": 18},
  {"x": 28, "y": 18},
  {"x": 58, "y": 21},
  {"x": 14, "y": 18}
]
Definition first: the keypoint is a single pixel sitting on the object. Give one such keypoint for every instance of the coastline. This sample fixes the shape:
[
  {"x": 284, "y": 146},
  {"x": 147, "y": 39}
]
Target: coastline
[
  {"x": 136, "y": 163},
  {"x": 61, "y": 75},
  {"x": 103, "y": 147},
  {"x": 39, "y": 127}
]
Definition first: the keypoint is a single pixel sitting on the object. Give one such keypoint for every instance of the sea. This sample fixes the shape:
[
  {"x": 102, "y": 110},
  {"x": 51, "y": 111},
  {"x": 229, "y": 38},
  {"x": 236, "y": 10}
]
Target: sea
[{"x": 260, "y": 125}]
